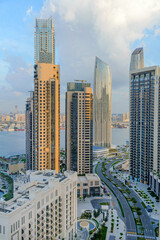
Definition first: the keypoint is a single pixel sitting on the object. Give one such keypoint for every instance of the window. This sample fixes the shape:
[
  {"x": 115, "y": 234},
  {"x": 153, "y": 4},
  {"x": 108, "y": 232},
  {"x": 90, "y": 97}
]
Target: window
[
  {"x": 85, "y": 184},
  {"x": 47, "y": 198},
  {"x": 30, "y": 215},
  {"x": 96, "y": 182},
  {"x": 38, "y": 204},
  {"x": 56, "y": 193}
]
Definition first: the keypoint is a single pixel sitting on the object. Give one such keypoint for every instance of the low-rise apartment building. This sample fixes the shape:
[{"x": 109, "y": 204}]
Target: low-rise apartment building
[
  {"x": 88, "y": 185},
  {"x": 43, "y": 208}
]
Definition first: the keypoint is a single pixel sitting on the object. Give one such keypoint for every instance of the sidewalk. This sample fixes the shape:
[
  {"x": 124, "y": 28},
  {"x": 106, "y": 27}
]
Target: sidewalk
[
  {"x": 117, "y": 226},
  {"x": 142, "y": 192}
]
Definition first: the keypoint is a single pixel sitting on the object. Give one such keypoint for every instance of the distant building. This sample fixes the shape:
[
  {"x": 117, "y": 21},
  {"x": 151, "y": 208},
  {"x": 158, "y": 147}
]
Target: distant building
[
  {"x": 100, "y": 152},
  {"x": 43, "y": 208},
  {"x": 79, "y": 127},
  {"x": 20, "y": 117},
  {"x": 124, "y": 117},
  {"x": 144, "y": 122},
  {"x": 29, "y": 132},
  {"x": 8, "y": 118},
  {"x": 88, "y": 185},
  {"x": 102, "y": 104},
  {"x": 9, "y": 166},
  {"x": 16, "y": 110}
]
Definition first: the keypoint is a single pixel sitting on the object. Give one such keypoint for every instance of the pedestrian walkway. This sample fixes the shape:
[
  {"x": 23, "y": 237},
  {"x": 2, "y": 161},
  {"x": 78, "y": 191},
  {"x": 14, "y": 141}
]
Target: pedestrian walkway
[
  {"x": 141, "y": 190},
  {"x": 116, "y": 227}
]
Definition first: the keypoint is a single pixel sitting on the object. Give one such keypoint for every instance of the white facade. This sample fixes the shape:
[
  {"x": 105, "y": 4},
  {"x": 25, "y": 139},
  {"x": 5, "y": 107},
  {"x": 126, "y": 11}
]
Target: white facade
[{"x": 43, "y": 208}]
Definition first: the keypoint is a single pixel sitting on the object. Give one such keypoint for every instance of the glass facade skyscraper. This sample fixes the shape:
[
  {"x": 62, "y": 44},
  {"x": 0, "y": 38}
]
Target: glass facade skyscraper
[
  {"x": 144, "y": 122},
  {"x": 44, "y": 41},
  {"x": 102, "y": 104},
  {"x": 137, "y": 59}
]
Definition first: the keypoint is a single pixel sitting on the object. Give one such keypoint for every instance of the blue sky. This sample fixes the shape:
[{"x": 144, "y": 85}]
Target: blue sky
[{"x": 107, "y": 29}]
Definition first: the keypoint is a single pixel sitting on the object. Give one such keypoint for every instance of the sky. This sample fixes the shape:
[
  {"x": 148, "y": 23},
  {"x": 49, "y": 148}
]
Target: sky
[{"x": 109, "y": 29}]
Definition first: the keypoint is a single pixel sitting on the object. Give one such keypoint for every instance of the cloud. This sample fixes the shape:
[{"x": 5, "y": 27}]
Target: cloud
[
  {"x": 17, "y": 81},
  {"x": 48, "y": 9},
  {"x": 28, "y": 12},
  {"x": 108, "y": 29}
]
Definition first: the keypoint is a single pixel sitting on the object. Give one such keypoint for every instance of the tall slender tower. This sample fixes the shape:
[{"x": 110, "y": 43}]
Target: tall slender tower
[
  {"x": 46, "y": 116},
  {"x": 46, "y": 98},
  {"x": 29, "y": 131},
  {"x": 46, "y": 101},
  {"x": 102, "y": 104},
  {"x": 79, "y": 127},
  {"x": 144, "y": 121}
]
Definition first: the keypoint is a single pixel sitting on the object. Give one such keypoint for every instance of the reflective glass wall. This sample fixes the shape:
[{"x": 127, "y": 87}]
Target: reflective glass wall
[
  {"x": 44, "y": 41},
  {"x": 102, "y": 104}
]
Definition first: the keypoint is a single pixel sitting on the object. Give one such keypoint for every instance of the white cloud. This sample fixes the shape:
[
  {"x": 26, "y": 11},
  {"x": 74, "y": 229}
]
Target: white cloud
[
  {"x": 28, "y": 12},
  {"x": 106, "y": 28},
  {"x": 48, "y": 9},
  {"x": 16, "y": 82}
]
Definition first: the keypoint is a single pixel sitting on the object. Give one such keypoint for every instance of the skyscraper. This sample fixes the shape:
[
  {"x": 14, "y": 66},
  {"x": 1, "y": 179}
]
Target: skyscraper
[
  {"x": 46, "y": 116},
  {"x": 44, "y": 41},
  {"x": 29, "y": 131},
  {"x": 46, "y": 101},
  {"x": 102, "y": 104},
  {"x": 144, "y": 122},
  {"x": 137, "y": 59},
  {"x": 79, "y": 127}
]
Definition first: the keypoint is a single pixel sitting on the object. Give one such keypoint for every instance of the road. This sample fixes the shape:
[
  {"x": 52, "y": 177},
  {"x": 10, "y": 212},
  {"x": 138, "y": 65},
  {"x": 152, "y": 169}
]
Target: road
[{"x": 129, "y": 219}]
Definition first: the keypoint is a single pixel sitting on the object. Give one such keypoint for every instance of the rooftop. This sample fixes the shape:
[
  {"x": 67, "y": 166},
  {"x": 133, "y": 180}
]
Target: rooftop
[
  {"x": 88, "y": 177},
  {"x": 38, "y": 182},
  {"x": 137, "y": 51}
]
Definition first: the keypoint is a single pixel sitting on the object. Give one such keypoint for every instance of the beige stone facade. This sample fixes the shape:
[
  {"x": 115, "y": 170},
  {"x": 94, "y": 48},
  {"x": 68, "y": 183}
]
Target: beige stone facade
[
  {"x": 88, "y": 185},
  {"x": 46, "y": 116}
]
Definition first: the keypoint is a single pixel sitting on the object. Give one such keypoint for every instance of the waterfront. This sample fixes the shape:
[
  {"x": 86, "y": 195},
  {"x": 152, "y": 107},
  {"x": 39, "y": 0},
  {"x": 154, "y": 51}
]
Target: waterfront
[{"x": 12, "y": 143}]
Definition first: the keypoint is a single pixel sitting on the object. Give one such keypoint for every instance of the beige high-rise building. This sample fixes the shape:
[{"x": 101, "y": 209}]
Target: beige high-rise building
[
  {"x": 79, "y": 127},
  {"x": 46, "y": 116},
  {"x": 124, "y": 117},
  {"x": 46, "y": 101}
]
